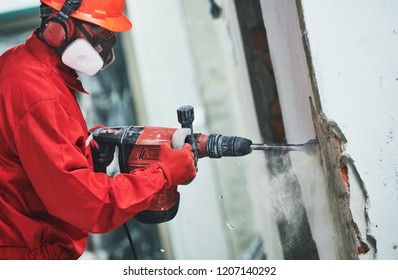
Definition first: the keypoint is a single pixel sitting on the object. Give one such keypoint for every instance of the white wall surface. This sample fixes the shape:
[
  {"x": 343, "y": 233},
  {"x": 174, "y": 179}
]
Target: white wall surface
[
  {"x": 354, "y": 53},
  {"x": 353, "y": 50},
  {"x": 294, "y": 89}
]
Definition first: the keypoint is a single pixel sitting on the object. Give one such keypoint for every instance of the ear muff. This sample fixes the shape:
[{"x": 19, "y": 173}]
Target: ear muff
[
  {"x": 57, "y": 31},
  {"x": 59, "y": 28}
]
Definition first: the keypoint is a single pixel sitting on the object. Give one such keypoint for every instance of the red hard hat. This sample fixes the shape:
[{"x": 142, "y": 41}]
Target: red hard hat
[{"x": 105, "y": 13}]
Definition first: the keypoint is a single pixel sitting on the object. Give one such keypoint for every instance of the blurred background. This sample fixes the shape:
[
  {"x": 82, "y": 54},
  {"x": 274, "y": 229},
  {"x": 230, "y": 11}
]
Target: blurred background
[{"x": 216, "y": 56}]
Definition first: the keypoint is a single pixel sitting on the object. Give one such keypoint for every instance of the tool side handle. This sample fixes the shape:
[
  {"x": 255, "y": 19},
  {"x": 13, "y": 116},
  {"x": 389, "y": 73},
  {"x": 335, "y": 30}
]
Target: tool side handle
[{"x": 179, "y": 138}]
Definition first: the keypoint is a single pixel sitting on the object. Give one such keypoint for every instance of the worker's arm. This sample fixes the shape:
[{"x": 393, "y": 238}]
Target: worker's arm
[{"x": 51, "y": 146}]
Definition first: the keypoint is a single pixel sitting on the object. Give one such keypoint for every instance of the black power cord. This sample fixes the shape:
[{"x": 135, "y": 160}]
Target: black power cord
[{"x": 130, "y": 241}]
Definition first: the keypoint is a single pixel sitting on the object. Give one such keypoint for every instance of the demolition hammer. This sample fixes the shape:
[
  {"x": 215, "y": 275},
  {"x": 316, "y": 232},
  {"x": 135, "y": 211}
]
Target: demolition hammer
[{"x": 138, "y": 146}]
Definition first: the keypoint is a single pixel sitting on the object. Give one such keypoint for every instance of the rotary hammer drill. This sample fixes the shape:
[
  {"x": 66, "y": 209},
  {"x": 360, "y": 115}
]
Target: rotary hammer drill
[{"x": 138, "y": 146}]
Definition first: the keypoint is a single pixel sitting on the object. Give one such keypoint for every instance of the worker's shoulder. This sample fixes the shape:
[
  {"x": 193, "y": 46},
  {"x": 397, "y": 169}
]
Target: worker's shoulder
[
  {"x": 28, "y": 85},
  {"x": 22, "y": 76},
  {"x": 17, "y": 64}
]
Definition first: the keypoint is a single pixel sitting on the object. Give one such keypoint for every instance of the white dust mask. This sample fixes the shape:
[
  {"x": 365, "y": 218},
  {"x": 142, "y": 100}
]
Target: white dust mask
[{"x": 81, "y": 56}]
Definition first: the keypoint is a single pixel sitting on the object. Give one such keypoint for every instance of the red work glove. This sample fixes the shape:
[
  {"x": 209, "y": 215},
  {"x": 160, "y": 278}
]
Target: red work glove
[{"x": 177, "y": 165}]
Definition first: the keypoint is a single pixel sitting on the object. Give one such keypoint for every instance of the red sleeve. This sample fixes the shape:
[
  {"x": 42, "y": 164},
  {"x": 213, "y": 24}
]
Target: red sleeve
[{"x": 50, "y": 144}]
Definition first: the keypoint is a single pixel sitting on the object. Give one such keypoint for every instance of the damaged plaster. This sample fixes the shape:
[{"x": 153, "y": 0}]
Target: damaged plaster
[
  {"x": 316, "y": 56},
  {"x": 348, "y": 238},
  {"x": 359, "y": 94},
  {"x": 358, "y": 196}
]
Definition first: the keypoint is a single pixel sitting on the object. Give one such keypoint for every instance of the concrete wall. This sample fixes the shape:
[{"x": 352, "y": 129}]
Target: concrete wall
[
  {"x": 342, "y": 54},
  {"x": 294, "y": 89},
  {"x": 355, "y": 64}
]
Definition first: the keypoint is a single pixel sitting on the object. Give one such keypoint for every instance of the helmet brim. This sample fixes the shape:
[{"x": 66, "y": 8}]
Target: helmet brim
[{"x": 119, "y": 24}]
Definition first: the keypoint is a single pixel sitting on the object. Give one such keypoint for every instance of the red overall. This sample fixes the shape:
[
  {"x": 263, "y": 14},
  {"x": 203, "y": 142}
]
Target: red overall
[{"x": 50, "y": 198}]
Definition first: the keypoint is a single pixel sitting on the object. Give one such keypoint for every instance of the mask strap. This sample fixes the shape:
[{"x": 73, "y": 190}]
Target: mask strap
[{"x": 85, "y": 33}]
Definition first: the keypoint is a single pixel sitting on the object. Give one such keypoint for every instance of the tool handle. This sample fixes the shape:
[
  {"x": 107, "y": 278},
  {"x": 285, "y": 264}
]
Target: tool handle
[
  {"x": 186, "y": 116},
  {"x": 98, "y": 166}
]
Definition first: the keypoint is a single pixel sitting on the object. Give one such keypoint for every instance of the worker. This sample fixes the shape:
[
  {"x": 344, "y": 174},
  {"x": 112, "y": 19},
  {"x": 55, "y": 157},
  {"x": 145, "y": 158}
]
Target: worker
[{"x": 50, "y": 197}]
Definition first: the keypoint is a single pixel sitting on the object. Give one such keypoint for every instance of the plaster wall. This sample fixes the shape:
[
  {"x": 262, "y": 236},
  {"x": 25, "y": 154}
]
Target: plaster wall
[
  {"x": 353, "y": 51},
  {"x": 294, "y": 89},
  {"x": 342, "y": 55}
]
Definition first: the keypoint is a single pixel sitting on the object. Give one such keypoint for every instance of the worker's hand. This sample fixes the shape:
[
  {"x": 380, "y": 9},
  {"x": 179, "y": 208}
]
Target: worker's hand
[
  {"x": 102, "y": 153},
  {"x": 177, "y": 165}
]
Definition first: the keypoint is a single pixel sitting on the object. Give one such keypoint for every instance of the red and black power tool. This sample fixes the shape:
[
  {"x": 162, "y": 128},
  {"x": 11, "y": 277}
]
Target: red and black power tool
[{"x": 138, "y": 146}]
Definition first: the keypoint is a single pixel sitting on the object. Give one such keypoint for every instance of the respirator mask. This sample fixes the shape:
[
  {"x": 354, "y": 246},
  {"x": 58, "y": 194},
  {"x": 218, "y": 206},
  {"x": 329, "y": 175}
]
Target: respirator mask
[{"x": 90, "y": 54}]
